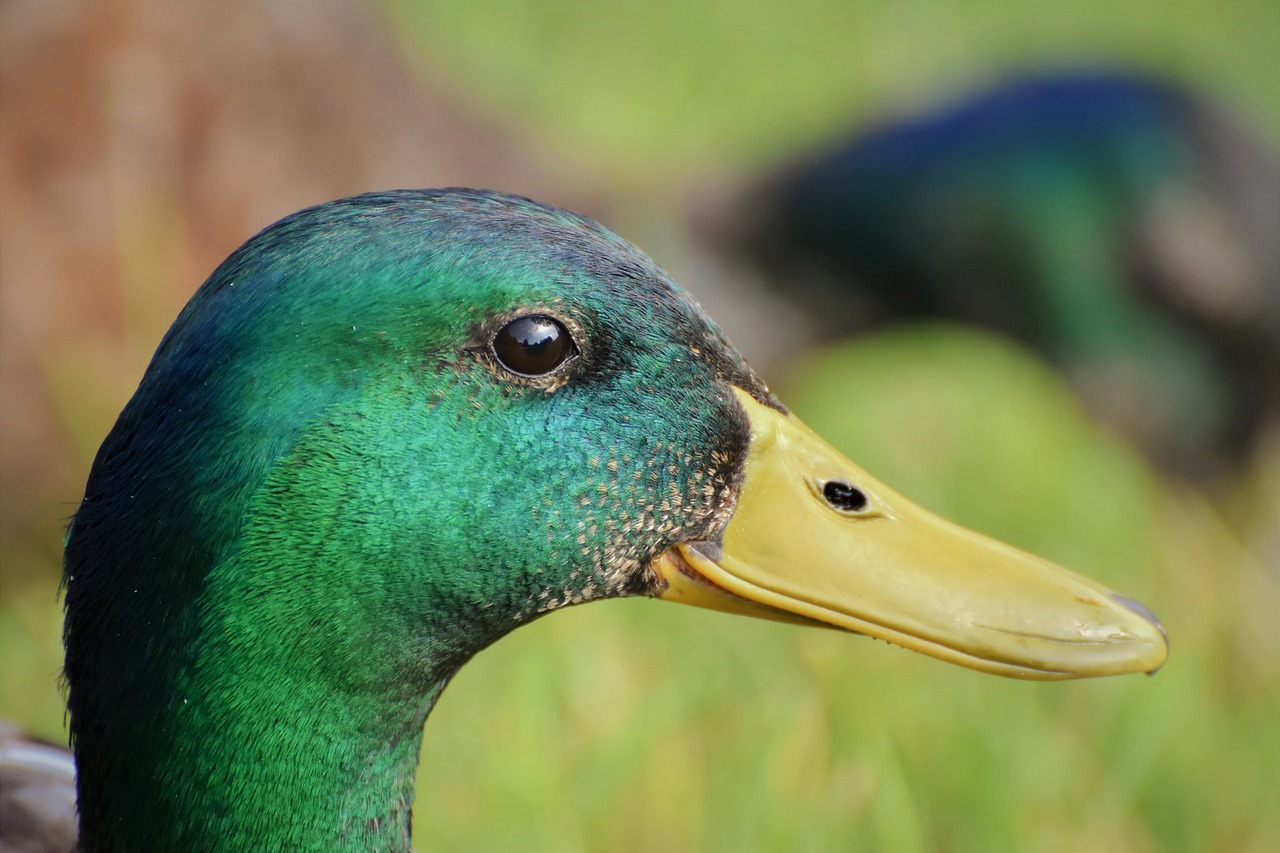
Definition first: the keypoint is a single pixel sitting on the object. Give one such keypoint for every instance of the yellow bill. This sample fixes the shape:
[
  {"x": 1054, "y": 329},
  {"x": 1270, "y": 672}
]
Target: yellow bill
[{"x": 815, "y": 540}]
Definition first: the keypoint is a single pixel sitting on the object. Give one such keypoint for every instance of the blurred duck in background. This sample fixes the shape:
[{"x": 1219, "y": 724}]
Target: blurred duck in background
[{"x": 1124, "y": 227}]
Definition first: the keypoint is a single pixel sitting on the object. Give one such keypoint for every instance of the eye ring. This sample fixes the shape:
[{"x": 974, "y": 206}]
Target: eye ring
[{"x": 533, "y": 345}]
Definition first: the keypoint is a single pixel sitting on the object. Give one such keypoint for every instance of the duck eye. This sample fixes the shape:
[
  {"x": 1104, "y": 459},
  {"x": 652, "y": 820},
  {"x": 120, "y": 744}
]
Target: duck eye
[
  {"x": 534, "y": 345},
  {"x": 844, "y": 497}
]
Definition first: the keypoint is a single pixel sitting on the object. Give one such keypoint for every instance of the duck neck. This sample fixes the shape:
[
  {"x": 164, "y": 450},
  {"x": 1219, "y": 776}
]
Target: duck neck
[
  {"x": 278, "y": 758},
  {"x": 335, "y": 773}
]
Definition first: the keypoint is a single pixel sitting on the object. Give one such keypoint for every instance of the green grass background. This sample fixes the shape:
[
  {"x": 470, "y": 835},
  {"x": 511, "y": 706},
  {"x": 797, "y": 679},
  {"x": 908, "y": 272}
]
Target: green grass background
[{"x": 641, "y": 726}]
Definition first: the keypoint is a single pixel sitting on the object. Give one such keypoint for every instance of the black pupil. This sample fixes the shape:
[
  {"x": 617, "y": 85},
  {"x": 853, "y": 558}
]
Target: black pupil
[
  {"x": 844, "y": 496},
  {"x": 532, "y": 345}
]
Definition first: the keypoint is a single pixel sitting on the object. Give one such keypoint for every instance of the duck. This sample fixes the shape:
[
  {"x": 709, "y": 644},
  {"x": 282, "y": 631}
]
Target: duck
[
  {"x": 390, "y": 429},
  {"x": 1118, "y": 223}
]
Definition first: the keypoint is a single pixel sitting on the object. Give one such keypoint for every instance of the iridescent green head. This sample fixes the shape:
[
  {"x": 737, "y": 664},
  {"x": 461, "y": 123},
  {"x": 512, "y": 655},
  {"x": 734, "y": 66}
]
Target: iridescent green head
[{"x": 384, "y": 433}]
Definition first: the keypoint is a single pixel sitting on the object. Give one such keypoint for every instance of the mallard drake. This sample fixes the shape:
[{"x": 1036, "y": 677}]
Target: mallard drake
[
  {"x": 390, "y": 429},
  {"x": 1122, "y": 225}
]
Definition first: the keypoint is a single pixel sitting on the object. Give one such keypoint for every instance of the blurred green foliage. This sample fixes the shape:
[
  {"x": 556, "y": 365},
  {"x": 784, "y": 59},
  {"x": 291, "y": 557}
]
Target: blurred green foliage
[{"x": 645, "y": 94}]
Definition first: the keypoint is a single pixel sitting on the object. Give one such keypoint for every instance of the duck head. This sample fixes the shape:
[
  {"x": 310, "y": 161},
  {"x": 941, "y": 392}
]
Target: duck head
[{"x": 390, "y": 429}]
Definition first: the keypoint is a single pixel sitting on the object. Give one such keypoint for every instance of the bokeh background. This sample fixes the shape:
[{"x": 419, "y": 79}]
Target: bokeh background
[{"x": 143, "y": 140}]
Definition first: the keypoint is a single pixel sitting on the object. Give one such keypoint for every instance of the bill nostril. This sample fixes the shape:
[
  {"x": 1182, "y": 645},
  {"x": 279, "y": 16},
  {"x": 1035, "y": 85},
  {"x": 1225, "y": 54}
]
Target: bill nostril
[{"x": 844, "y": 497}]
